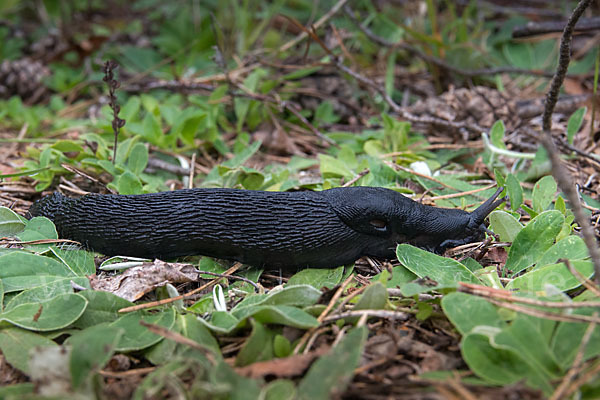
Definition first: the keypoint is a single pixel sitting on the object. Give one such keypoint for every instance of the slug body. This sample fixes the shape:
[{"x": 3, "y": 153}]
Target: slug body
[{"x": 272, "y": 229}]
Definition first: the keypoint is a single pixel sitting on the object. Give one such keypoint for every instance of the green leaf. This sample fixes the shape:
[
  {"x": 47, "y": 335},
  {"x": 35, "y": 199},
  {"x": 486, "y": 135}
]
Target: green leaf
[
  {"x": 279, "y": 389},
  {"x": 497, "y": 134},
  {"x": 128, "y": 183},
  {"x": 66, "y": 146},
  {"x": 281, "y": 346},
  {"x": 151, "y": 129},
  {"x": 17, "y": 391},
  {"x": 240, "y": 388},
  {"x": 138, "y": 158},
  {"x": 110, "y": 168},
  {"x": 334, "y": 168},
  {"x": 515, "y": 192},
  {"x": 46, "y": 291},
  {"x": 467, "y": 312},
  {"x": 241, "y": 104},
  {"x": 223, "y": 322},
  {"x": 533, "y": 240},
  {"x": 282, "y": 315},
  {"x": 544, "y": 191},
  {"x": 80, "y": 262},
  {"x": 570, "y": 248},
  {"x": 325, "y": 114},
  {"x": 243, "y": 156},
  {"x": 500, "y": 365},
  {"x": 38, "y": 228},
  {"x": 102, "y": 307},
  {"x": 10, "y": 222},
  {"x": 505, "y": 225},
  {"x": 258, "y": 346},
  {"x": 536, "y": 353},
  {"x": 190, "y": 327},
  {"x": 445, "y": 271},
  {"x": 567, "y": 339},
  {"x": 300, "y": 73},
  {"x": 574, "y": 123},
  {"x": 400, "y": 275},
  {"x": 131, "y": 109},
  {"x": 317, "y": 278},
  {"x": 16, "y": 343},
  {"x": 55, "y": 313},
  {"x": 297, "y": 295},
  {"x": 330, "y": 374},
  {"x": 191, "y": 126},
  {"x": 375, "y": 297},
  {"x": 488, "y": 276},
  {"x": 137, "y": 336},
  {"x": 21, "y": 270},
  {"x": 556, "y": 274},
  {"x": 92, "y": 348},
  {"x": 560, "y": 205},
  {"x": 395, "y": 133}
]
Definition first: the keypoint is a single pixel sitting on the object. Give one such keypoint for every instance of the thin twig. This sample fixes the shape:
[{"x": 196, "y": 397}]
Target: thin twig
[
  {"x": 562, "y": 176},
  {"x": 192, "y": 170},
  {"x": 356, "y": 178}
]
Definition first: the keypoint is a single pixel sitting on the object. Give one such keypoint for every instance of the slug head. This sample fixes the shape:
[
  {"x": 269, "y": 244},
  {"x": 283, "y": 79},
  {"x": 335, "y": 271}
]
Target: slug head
[
  {"x": 468, "y": 227},
  {"x": 387, "y": 218}
]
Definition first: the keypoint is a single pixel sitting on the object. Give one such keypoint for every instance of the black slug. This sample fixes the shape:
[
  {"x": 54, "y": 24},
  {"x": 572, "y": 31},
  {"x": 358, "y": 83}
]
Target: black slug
[{"x": 272, "y": 229}]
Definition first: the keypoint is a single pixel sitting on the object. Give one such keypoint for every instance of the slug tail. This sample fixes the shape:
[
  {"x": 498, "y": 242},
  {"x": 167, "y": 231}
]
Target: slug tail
[
  {"x": 490, "y": 204},
  {"x": 48, "y": 206}
]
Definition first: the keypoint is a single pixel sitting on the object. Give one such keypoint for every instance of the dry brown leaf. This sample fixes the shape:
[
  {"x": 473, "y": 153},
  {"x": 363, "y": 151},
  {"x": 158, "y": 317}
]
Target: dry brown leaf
[{"x": 137, "y": 281}]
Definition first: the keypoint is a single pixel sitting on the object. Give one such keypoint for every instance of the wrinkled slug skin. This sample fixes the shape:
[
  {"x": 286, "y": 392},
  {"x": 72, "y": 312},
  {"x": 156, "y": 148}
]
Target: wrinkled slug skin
[{"x": 271, "y": 229}]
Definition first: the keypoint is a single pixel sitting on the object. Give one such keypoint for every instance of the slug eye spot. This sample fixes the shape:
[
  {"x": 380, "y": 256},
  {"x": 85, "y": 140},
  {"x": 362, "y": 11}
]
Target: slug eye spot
[{"x": 378, "y": 224}]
